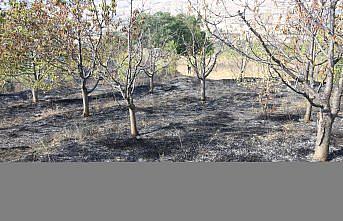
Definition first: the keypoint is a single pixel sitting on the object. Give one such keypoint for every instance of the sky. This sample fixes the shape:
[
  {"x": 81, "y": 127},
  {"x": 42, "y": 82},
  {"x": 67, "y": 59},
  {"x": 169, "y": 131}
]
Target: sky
[
  {"x": 172, "y": 6},
  {"x": 176, "y": 6},
  {"x": 182, "y": 6}
]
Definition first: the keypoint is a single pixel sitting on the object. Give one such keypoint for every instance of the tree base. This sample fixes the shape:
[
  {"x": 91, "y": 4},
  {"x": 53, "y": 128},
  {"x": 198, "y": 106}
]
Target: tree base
[
  {"x": 316, "y": 158},
  {"x": 324, "y": 128},
  {"x": 85, "y": 115}
]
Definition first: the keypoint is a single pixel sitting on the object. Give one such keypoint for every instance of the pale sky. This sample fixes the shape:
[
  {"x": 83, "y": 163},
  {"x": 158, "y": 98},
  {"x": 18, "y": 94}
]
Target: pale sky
[
  {"x": 176, "y": 6},
  {"x": 181, "y": 6},
  {"x": 152, "y": 6}
]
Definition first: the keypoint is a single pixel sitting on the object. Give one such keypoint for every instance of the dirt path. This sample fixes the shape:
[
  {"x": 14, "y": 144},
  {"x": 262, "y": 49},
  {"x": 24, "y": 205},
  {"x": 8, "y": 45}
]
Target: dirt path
[{"x": 174, "y": 126}]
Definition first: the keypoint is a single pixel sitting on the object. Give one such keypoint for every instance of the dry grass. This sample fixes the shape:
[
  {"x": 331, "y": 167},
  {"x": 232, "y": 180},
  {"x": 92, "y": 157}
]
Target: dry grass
[
  {"x": 77, "y": 133},
  {"x": 49, "y": 112},
  {"x": 227, "y": 69},
  {"x": 297, "y": 106},
  {"x": 5, "y": 122}
]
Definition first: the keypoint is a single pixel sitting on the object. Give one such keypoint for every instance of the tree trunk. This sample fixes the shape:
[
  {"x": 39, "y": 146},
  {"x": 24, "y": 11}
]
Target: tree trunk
[
  {"x": 133, "y": 122},
  {"x": 34, "y": 95},
  {"x": 324, "y": 128},
  {"x": 85, "y": 100},
  {"x": 203, "y": 89},
  {"x": 151, "y": 84},
  {"x": 308, "y": 113}
]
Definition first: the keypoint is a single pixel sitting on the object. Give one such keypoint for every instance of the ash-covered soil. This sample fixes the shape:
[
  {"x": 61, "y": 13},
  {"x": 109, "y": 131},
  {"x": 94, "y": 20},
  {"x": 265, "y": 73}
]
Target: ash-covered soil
[{"x": 173, "y": 124}]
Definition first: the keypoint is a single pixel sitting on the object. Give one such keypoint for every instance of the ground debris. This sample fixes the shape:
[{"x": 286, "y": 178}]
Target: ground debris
[{"x": 174, "y": 126}]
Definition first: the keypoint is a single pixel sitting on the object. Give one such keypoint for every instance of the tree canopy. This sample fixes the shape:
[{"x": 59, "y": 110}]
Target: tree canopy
[{"x": 173, "y": 32}]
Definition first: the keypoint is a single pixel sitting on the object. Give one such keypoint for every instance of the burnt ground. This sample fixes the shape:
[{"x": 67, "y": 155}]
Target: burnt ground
[{"x": 173, "y": 124}]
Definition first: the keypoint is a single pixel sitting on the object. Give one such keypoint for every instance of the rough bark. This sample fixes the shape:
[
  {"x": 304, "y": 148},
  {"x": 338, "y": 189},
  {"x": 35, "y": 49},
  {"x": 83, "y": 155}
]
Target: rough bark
[
  {"x": 324, "y": 129},
  {"x": 85, "y": 100},
  {"x": 308, "y": 113},
  {"x": 151, "y": 79},
  {"x": 203, "y": 90},
  {"x": 241, "y": 77},
  {"x": 34, "y": 92},
  {"x": 133, "y": 122}
]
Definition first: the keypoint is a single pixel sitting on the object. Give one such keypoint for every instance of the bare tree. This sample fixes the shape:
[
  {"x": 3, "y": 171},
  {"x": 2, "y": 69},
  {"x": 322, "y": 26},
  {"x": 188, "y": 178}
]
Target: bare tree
[
  {"x": 155, "y": 63},
  {"x": 240, "y": 60},
  {"x": 157, "y": 56},
  {"x": 201, "y": 55},
  {"x": 156, "y": 39},
  {"x": 283, "y": 49},
  {"x": 312, "y": 51},
  {"x": 84, "y": 40},
  {"x": 123, "y": 62}
]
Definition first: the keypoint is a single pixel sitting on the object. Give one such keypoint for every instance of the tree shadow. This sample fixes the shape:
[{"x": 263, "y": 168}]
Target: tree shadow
[
  {"x": 279, "y": 117},
  {"x": 247, "y": 157},
  {"x": 22, "y": 95},
  {"x": 335, "y": 154},
  {"x": 303, "y": 152},
  {"x": 337, "y": 139},
  {"x": 192, "y": 136}
]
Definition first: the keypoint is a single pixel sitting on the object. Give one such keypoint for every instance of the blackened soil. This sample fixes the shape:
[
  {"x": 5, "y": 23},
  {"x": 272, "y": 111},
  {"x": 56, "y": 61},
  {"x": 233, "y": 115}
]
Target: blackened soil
[{"x": 173, "y": 124}]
